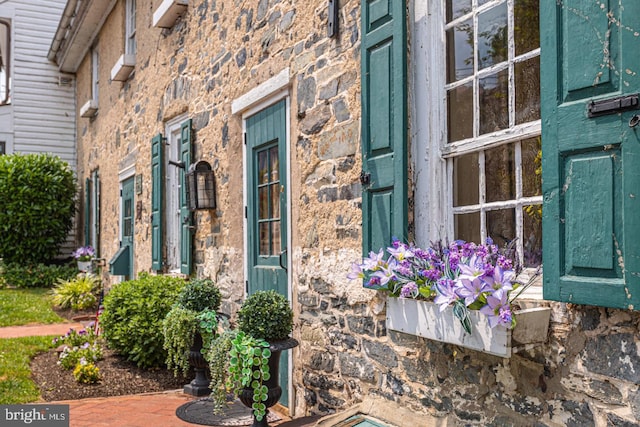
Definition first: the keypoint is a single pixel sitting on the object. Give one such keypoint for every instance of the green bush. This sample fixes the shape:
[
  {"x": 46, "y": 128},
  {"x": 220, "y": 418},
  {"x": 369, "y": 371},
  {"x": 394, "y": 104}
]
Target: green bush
[
  {"x": 78, "y": 293},
  {"x": 38, "y": 193},
  {"x": 199, "y": 295},
  {"x": 132, "y": 317},
  {"x": 266, "y": 315},
  {"x": 35, "y": 276}
]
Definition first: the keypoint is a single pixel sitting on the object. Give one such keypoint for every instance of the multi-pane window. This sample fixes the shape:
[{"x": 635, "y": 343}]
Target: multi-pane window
[
  {"x": 3, "y": 148},
  {"x": 268, "y": 201},
  {"x": 130, "y": 45},
  {"x": 5, "y": 62},
  {"x": 493, "y": 122}
]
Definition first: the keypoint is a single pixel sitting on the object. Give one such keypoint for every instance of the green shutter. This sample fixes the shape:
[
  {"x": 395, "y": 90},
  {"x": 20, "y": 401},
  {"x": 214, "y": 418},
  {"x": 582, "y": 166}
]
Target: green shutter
[
  {"x": 185, "y": 213},
  {"x": 156, "y": 202},
  {"x": 87, "y": 211},
  {"x": 591, "y": 184},
  {"x": 384, "y": 122}
]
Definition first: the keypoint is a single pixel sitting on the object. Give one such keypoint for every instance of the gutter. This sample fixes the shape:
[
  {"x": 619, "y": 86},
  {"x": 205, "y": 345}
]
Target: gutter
[{"x": 67, "y": 15}]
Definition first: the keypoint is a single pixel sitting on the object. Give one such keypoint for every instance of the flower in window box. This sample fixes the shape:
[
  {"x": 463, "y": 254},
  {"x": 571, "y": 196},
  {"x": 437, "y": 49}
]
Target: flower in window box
[{"x": 84, "y": 253}]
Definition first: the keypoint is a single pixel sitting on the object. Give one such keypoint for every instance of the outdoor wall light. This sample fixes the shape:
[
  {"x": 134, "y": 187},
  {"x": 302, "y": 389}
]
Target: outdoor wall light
[{"x": 201, "y": 186}]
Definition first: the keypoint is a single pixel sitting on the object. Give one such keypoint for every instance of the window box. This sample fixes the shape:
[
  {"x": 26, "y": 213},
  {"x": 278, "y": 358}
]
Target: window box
[
  {"x": 168, "y": 12},
  {"x": 123, "y": 68},
  {"x": 89, "y": 109},
  {"x": 424, "y": 319}
]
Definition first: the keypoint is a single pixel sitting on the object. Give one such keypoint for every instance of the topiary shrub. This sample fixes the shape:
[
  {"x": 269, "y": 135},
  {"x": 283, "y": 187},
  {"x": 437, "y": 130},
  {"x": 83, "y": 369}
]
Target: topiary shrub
[
  {"x": 38, "y": 193},
  {"x": 266, "y": 315},
  {"x": 199, "y": 295},
  {"x": 36, "y": 276},
  {"x": 133, "y": 315}
]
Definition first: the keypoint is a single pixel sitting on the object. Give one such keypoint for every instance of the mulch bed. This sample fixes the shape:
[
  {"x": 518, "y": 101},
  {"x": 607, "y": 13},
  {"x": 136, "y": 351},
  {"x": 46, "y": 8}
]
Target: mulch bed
[{"x": 118, "y": 376}]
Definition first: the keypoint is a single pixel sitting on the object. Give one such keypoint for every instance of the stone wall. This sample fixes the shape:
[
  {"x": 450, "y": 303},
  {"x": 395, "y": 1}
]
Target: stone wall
[{"x": 585, "y": 374}]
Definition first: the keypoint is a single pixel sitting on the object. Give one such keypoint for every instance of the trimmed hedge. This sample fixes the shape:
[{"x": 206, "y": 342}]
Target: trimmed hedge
[
  {"x": 35, "y": 276},
  {"x": 132, "y": 317},
  {"x": 38, "y": 193}
]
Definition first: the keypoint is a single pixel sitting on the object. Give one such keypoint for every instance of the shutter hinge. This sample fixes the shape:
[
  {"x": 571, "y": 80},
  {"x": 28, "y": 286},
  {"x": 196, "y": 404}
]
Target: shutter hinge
[
  {"x": 246, "y": 286},
  {"x": 365, "y": 178},
  {"x": 244, "y": 136},
  {"x": 246, "y": 215}
]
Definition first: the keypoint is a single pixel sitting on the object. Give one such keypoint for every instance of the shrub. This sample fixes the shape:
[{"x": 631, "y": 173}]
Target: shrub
[
  {"x": 37, "y": 275},
  {"x": 38, "y": 193},
  {"x": 266, "y": 315},
  {"x": 132, "y": 317},
  {"x": 199, "y": 295},
  {"x": 78, "y": 293}
]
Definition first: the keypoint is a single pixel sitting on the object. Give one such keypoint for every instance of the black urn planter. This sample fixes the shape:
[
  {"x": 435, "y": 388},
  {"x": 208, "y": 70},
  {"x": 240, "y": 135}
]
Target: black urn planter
[
  {"x": 273, "y": 384},
  {"x": 199, "y": 386}
]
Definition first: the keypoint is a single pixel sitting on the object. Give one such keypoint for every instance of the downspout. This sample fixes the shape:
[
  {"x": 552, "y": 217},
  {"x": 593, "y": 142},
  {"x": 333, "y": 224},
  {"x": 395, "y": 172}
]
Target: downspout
[{"x": 68, "y": 14}]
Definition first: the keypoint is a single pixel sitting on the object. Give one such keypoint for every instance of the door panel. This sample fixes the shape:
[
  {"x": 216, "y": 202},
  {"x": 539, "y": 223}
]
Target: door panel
[
  {"x": 127, "y": 221},
  {"x": 267, "y": 207}
]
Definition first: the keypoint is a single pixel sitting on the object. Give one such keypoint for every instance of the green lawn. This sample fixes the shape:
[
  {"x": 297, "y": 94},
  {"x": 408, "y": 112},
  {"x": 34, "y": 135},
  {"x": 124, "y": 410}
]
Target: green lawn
[
  {"x": 25, "y": 306},
  {"x": 16, "y": 385}
]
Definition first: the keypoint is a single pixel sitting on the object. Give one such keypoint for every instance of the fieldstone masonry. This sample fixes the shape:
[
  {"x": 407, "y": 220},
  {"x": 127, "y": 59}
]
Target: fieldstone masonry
[{"x": 588, "y": 373}]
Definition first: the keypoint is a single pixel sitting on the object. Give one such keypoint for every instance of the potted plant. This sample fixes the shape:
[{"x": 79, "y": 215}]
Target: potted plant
[
  {"x": 188, "y": 328},
  {"x": 461, "y": 293},
  {"x": 84, "y": 256},
  {"x": 247, "y": 359}
]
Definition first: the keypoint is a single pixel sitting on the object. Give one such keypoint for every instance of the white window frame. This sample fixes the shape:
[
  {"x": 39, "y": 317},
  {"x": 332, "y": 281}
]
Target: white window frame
[
  {"x": 95, "y": 75},
  {"x": 5, "y": 75},
  {"x": 171, "y": 196},
  {"x": 130, "y": 46},
  {"x": 433, "y": 171}
]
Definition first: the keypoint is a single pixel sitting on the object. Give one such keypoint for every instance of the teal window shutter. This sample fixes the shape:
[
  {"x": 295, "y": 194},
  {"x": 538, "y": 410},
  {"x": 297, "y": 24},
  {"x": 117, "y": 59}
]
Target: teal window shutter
[
  {"x": 185, "y": 213},
  {"x": 590, "y": 157},
  {"x": 157, "y": 190},
  {"x": 384, "y": 123},
  {"x": 87, "y": 211}
]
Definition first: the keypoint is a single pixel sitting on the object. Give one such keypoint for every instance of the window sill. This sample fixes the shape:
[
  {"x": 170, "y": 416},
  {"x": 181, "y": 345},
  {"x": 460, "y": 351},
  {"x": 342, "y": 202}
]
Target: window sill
[
  {"x": 89, "y": 109},
  {"x": 123, "y": 68},
  {"x": 424, "y": 319},
  {"x": 168, "y": 13}
]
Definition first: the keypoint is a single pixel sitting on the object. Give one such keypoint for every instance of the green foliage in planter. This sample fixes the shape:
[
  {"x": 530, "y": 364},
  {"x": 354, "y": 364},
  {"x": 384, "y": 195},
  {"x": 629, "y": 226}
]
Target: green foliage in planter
[
  {"x": 38, "y": 193},
  {"x": 133, "y": 314},
  {"x": 249, "y": 367},
  {"x": 266, "y": 315},
  {"x": 218, "y": 356},
  {"x": 199, "y": 295},
  {"x": 179, "y": 328},
  {"x": 37, "y": 275},
  {"x": 77, "y": 294}
]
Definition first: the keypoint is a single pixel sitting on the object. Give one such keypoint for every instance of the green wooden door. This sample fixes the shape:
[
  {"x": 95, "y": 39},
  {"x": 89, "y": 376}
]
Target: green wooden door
[
  {"x": 127, "y": 223},
  {"x": 186, "y": 220},
  {"x": 591, "y": 165},
  {"x": 384, "y": 123},
  {"x": 266, "y": 208}
]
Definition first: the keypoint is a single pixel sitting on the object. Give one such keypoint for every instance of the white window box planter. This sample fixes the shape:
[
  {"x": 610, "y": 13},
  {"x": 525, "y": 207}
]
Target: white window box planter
[
  {"x": 424, "y": 319},
  {"x": 168, "y": 13},
  {"x": 123, "y": 68},
  {"x": 89, "y": 109}
]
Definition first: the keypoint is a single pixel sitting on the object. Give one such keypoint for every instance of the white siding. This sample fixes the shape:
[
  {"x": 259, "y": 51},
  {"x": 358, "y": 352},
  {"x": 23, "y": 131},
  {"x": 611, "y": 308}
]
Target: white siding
[{"x": 42, "y": 111}]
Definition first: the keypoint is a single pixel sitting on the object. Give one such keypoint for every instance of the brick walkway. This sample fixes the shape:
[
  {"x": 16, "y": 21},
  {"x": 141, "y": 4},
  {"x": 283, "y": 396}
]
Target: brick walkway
[{"x": 138, "y": 410}]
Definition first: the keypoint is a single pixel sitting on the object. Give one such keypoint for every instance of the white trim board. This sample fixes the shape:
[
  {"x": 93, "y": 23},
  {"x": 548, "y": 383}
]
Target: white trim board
[{"x": 277, "y": 87}]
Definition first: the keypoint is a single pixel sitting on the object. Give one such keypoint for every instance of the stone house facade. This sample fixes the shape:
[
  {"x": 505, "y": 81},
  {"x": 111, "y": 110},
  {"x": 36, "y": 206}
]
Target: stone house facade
[{"x": 326, "y": 133}]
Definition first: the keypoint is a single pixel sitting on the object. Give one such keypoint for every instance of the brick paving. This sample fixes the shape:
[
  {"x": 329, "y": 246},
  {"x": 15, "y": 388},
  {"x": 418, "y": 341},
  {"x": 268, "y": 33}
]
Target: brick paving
[{"x": 138, "y": 410}]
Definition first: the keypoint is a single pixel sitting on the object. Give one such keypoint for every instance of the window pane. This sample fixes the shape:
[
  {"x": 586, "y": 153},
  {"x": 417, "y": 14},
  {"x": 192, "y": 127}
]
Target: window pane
[
  {"x": 492, "y": 36},
  {"x": 264, "y": 243},
  {"x": 275, "y": 238},
  {"x": 273, "y": 157},
  {"x": 494, "y": 102},
  {"x": 501, "y": 226},
  {"x": 465, "y": 180},
  {"x": 531, "y": 167},
  {"x": 263, "y": 167},
  {"x": 467, "y": 227},
  {"x": 532, "y": 239},
  {"x": 457, "y": 8},
  {"x": 275, "y": 200},
  {"x": 263, "y": 202},
  {"x": 460, "y": 112},
  {"x": 526, "y": 25},
  {"x": 3, "y": 148},
  {"x": 527, "y": 81},
  {"x": 460, "y": 51},
  {"x": 500, "y": 173}
]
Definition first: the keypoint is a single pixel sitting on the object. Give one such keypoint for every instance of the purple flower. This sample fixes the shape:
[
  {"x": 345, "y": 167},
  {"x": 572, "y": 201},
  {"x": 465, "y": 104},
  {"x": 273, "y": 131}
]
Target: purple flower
[
  {"x": 497, "y": 309},
  {"x": 469, "y": 288},
  {"x": 374, "y": 261},
  {"x": 445, "y": 293},
  {"x": 356, "y": 272},
  {"x": 410, "y": 290},
  {"x": 373, "y": 283},
  {"x": 502, "y": 278},
  {"x": 84, "y": 253}
]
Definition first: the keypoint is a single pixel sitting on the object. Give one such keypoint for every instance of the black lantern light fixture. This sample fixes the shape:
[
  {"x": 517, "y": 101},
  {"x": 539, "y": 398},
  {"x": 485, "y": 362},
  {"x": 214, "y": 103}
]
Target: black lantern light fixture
[{"x": 201, "y": 186}]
